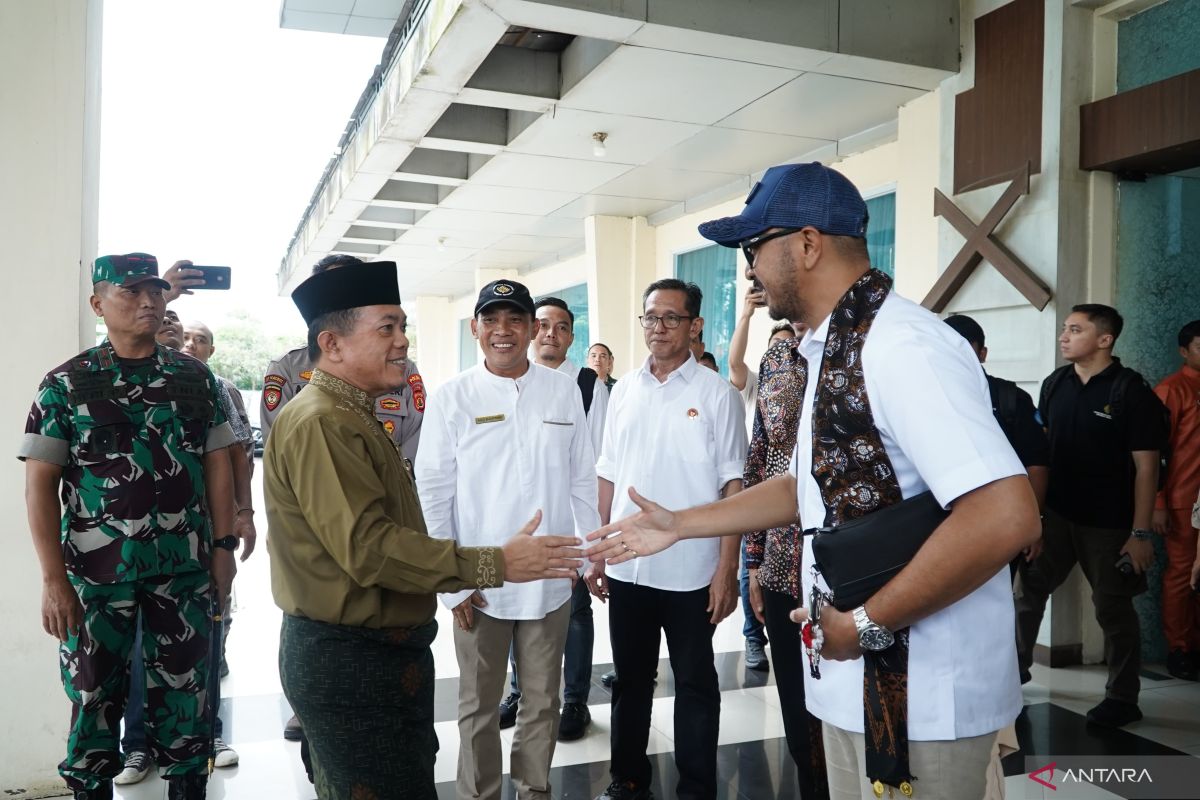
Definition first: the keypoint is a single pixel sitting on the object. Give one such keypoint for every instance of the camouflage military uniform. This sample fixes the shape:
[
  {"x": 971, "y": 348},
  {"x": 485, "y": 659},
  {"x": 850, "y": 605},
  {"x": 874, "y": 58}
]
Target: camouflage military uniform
[
  {"x": 400, "y": 412},
  {"x": 131, "y": 436}
]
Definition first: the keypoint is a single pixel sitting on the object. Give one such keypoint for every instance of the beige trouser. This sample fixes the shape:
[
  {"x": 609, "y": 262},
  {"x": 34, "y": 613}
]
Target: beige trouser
[
  {"x": 483, "y": 670},
  {"x": 953, "y": 770}
]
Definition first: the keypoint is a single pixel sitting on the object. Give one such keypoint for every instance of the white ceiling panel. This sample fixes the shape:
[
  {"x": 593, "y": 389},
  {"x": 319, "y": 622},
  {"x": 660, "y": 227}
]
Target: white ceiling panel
[
  {"x": 468, "y": 239},
  {"x": 734, "y": 151},
  {"x": 661, "y": 183},
  {"x": 477, "y": 197},
  {"x": 539, "y": 244},
  {"x": 544, "y": 172},
  {"x": 659, "y": 84},
  {"x": 500, "y": 258},
  {"x": 386, "y": 9},
  {"x": 369, "y": 26},
  {"x": 459, "y": 219},
  {"x": 592, "y": 204},
  {"x": 823, "y": 107},
  {"x": 567, "y": 133}
]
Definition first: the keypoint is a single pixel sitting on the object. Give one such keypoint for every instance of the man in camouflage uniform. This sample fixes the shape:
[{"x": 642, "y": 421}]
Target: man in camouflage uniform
[
  {"x": 133, "y": 435},
  {"x": 400, "y": 412}
]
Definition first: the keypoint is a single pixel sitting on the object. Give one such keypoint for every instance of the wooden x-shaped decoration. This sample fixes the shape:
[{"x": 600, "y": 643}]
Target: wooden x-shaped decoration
[{"x": 980, "y": 244}]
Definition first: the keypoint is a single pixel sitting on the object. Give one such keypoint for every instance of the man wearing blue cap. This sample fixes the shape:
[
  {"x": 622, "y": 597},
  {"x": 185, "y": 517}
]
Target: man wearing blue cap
[{"x": 894, "y": 408}]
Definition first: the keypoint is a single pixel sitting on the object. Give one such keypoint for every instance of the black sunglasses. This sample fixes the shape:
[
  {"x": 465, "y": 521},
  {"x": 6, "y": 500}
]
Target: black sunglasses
[{"x": 749, "y": 246}]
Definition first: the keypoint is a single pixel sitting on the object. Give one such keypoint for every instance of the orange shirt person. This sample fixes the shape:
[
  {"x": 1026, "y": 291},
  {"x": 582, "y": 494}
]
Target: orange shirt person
[{"x": 1180, "y": 392}]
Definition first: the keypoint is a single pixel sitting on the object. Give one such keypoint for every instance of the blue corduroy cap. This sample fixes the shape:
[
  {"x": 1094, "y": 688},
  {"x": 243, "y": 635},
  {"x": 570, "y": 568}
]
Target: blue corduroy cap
[{"x": 795, "y": 196}]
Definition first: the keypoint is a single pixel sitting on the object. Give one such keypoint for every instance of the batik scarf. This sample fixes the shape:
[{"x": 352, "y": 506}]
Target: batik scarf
[{"x": 856, "y": 478}]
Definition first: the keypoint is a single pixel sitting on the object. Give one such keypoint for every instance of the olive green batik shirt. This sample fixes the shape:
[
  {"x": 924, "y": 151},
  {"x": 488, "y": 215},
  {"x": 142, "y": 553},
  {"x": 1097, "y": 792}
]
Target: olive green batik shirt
[{"x": 346, "y": 536}]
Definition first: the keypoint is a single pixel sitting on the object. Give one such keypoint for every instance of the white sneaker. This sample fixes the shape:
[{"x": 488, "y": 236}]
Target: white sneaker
[
  {"x": 226, "y": 756},
  {"x": 137, "y": 766}
]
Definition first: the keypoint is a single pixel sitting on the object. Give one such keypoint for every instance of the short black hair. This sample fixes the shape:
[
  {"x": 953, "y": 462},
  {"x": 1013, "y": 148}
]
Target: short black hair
[
  {"x": 607, "y": 349},
  {"x": 1189, "y": 332},
  {"x": 967, "y": 328},
  {"x": 707, "y": 356},
  {"x": 782, "y": 325},
  {"x": 1106, "y": 318},
  {"x": 340, "y": 322},
  {"x": 694, "y": 297},
  {"x": 335, "y": 260},
  {"x": 555, "y": 302}
]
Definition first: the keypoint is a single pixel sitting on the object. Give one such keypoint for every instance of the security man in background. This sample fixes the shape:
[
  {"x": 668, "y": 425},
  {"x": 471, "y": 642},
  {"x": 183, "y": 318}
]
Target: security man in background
[{"x": 133, "y": 435}]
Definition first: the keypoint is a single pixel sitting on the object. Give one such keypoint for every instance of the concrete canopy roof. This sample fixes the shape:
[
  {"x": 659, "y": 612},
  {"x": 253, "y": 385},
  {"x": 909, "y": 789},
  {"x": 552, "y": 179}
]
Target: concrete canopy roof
[{"x": 475, "y": 153}]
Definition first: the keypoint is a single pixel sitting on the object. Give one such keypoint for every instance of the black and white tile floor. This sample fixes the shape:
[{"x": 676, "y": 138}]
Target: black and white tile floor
[{"x": 753, "y": 762}]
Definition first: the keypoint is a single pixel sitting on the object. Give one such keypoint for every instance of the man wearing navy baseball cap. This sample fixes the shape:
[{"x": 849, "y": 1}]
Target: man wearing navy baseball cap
[{"x": 895, "y": 408}]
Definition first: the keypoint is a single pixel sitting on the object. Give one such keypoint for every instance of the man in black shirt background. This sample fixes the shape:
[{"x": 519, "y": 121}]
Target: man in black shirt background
[
  {"x": 1014, "y": 410},
  {"x": 1106, "y": 428}
]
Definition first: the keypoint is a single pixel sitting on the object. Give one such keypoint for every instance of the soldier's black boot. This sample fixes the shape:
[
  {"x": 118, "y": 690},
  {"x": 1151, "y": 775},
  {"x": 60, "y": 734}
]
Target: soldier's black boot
[
  {"x": 102, "y": 792},
  {"x": 187, "y": 787}
]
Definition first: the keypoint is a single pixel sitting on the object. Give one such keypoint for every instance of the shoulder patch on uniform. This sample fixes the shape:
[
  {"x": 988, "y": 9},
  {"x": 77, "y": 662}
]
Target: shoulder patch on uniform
[
  {"x": 274, "y": 380},
  {"x": 306, "y": 375},
  {"x": 418, "y": 391},
  {"x": 389, "y": 404},
  {"x": 271, "y": 398}
]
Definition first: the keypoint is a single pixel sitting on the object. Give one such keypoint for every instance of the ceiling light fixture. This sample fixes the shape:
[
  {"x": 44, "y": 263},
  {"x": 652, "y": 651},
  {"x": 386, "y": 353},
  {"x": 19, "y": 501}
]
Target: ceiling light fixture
[{"x": 598, "y": 140}]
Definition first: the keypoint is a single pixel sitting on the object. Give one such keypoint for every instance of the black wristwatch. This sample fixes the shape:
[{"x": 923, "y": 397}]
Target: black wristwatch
[{"x": 229, "y": 542}]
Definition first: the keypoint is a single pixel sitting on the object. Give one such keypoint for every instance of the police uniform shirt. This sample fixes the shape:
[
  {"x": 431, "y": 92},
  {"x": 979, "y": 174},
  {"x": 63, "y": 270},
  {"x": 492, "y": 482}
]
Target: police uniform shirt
[
  {"x": 1091, "y": 466},
  {"x": 678, "y": 442},
  {"x": 496, "y": 450},
  {"x": 348, "y": 542},
  {"x": 131, "y": 436},
  {"x": 401, "y": 412}
]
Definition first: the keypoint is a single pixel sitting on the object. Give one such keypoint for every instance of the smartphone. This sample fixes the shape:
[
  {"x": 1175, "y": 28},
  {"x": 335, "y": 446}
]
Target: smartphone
[
  {"x": 1124, "y": 564},
  {"x": 214, "y": 277}
]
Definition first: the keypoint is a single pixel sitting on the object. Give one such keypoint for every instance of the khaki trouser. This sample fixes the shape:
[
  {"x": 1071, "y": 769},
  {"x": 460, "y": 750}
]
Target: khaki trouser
[
  {"x": 952, "y": 770},
  {"x": 537, "y": 645}
]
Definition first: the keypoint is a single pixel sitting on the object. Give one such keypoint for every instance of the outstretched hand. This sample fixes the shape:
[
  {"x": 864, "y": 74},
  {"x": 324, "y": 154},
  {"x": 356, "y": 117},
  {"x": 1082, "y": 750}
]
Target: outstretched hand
[
  {"x": 650, "y": 531},
  {"x": 530, "y": 558}
]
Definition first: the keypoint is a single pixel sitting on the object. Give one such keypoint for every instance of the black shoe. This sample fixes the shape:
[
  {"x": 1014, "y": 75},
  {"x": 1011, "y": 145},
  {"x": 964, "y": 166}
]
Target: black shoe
[
  {"x": 625, "y": 790},
  {"x": 1181, "y": 664},
  {"x": 573, "y": 722},
  {"x": 756, "y": 657},
  {"x": 1114, "y": 713},
  {"x": 102, "y": 792},
  {"x": 187, "y": 787},
  {"x": 508, "y": 710},
  {"x": 608, "y": 678},
  {"x": 293, "y": 731}
]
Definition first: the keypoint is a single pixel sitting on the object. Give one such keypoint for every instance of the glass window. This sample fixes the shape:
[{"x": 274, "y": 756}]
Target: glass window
[
  {"x": 714, "y": 270},
  {"x": 881, "y": 232},
  {"x": 576, "y": 298},
  {"x": 468, "y": 348}
]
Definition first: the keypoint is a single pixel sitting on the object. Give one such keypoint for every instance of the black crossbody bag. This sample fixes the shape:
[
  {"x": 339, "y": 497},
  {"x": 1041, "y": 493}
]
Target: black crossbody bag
[{"x": 859, "y": 557}]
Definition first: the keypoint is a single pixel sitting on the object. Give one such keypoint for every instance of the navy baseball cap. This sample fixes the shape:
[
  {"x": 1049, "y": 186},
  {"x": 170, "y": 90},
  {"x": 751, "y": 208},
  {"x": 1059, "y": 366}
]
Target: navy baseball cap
[
  {"x": 510, "y": 292},
  {"x": 795, "y": 196}
]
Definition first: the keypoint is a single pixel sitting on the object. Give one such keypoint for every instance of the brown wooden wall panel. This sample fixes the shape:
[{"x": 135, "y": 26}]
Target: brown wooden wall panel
[
  {"x": 998, "y": 124},
  {"x": 1151, "y": 129}
]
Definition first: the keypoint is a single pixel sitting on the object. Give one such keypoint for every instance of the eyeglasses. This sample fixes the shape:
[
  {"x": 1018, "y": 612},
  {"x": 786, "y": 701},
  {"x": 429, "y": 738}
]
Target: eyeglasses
[
  {"x": 751, "y": 245},
  {"x": 669, "y": 321}
]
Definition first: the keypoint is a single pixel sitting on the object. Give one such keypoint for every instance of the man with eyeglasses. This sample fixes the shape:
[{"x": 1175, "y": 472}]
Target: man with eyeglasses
[{"x": 679, "y": 428}]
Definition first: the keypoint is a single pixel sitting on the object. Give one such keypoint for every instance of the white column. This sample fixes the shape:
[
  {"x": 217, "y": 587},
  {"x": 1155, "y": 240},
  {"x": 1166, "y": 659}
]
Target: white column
[
  {"x": 49, "y": 141},
  {"x": 620, "y": 265},
  {"x": 436, "y": 330}
]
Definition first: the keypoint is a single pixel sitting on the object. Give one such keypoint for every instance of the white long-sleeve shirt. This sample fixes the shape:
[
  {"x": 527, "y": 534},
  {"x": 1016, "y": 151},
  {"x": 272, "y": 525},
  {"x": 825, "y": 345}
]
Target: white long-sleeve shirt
[
  {"x": 598, "y": 412},
  {"x": 495, "y": 450},
  {"x": 678, "y": 443}
]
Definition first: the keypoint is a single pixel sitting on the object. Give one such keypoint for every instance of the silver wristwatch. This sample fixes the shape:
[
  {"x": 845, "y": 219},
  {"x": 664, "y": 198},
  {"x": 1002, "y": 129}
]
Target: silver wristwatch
[{"x": 871, "y": 636}]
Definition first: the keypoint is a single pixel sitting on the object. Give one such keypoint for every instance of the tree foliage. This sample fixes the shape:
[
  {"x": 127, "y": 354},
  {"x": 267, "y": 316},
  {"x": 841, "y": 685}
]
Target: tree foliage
[{"x": 243, "y": 351}]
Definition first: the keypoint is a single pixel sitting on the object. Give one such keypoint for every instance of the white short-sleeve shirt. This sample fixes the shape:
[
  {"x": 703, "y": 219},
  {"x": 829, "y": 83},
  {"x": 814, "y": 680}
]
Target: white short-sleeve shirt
[
  {"x": 678, "y": 443},
  {"x": 930, "y": 401}
]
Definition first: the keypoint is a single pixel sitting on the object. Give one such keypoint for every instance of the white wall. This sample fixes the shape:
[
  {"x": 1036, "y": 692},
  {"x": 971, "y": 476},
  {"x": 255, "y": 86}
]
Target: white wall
[{"x": 49, "y": 144}]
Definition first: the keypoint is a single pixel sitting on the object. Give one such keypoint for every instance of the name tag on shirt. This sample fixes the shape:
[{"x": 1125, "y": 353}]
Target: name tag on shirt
[{"x": 492, "y": 418}]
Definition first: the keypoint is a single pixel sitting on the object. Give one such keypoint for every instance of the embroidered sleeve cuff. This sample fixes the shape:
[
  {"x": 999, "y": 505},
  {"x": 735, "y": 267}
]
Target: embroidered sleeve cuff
[
  {"x": 219, "y": 438},
  {"x": 44, "y": 448}
]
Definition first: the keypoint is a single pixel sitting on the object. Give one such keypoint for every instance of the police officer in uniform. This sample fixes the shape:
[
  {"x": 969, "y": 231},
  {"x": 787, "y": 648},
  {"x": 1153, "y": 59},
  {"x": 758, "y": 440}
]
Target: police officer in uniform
[
  {"x": 133, "y": 436},
  {"x": 400, "y": 412}
]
